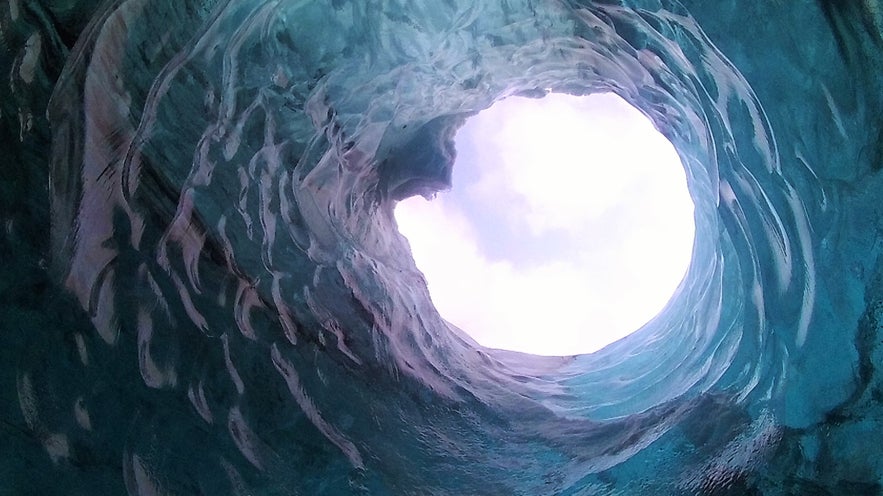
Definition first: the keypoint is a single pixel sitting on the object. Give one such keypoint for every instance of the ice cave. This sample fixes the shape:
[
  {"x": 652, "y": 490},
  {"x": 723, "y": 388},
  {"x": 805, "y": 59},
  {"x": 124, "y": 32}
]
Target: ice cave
[{"x": 204, "y": 290}]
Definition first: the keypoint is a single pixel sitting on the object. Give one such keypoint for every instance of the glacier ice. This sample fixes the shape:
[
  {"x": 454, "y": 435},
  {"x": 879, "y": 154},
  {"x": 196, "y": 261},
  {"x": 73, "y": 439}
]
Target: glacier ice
[{"x": 205, "y": 293}]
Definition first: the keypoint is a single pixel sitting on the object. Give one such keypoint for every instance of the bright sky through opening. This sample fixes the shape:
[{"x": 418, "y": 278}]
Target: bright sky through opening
[{"x": 568, "y": 227}]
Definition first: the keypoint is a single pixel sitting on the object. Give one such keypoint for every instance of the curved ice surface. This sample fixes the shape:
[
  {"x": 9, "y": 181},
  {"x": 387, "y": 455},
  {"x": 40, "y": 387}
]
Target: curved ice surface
[{"x": 211, "y": 296}]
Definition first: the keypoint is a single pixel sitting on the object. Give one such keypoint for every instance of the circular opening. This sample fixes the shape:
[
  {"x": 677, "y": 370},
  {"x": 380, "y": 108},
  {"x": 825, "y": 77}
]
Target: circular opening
[{"x": 569, "y": 225}]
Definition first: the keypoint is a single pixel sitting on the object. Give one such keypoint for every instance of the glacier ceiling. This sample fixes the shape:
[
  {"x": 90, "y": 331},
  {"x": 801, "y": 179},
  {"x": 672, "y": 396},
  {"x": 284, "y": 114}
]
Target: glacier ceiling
[{"x": 204, "y": 291}]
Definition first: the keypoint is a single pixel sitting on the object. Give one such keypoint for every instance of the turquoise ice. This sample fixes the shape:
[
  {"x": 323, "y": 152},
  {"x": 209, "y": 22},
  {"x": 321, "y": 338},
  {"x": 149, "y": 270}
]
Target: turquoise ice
[{"x": 204, "y": 291}]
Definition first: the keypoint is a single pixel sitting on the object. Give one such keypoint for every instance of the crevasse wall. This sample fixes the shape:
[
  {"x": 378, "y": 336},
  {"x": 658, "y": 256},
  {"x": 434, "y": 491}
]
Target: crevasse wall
[{"x": 206, "y": 292}]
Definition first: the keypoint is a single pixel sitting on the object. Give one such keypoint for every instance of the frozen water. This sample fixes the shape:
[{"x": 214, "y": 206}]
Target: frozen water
[{"x": 204, "y": 291}]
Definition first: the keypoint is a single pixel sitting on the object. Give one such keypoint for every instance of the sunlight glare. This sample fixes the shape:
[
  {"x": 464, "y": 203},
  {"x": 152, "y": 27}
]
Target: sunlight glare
[{"x": 568, "y": 227}]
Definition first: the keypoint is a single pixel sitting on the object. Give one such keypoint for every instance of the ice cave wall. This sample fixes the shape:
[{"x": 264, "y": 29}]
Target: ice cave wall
[{"x": 206, "y": 294}]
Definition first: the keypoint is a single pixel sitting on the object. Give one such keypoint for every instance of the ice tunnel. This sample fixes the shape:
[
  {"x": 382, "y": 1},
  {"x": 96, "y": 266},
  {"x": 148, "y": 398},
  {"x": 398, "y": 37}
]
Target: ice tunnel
[{"x": 205, "y": 292}]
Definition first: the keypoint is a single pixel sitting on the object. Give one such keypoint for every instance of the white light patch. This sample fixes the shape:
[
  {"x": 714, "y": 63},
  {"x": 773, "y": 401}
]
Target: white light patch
[{"x": 568, "y": 227}]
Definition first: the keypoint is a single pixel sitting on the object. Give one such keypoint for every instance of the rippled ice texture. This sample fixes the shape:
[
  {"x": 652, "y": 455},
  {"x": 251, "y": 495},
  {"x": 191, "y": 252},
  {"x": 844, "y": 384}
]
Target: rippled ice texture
[{"x": 204, "y": 291}]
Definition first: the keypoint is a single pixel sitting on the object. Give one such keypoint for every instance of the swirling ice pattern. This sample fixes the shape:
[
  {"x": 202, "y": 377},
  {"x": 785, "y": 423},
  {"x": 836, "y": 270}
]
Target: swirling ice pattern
[{"x": 223, "y": 177}]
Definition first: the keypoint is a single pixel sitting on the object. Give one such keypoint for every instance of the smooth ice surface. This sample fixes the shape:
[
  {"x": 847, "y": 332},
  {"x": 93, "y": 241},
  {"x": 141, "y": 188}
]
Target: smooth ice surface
[
  {"x": 204, "y": 291},
  {"x": 568, "y": 226}
]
